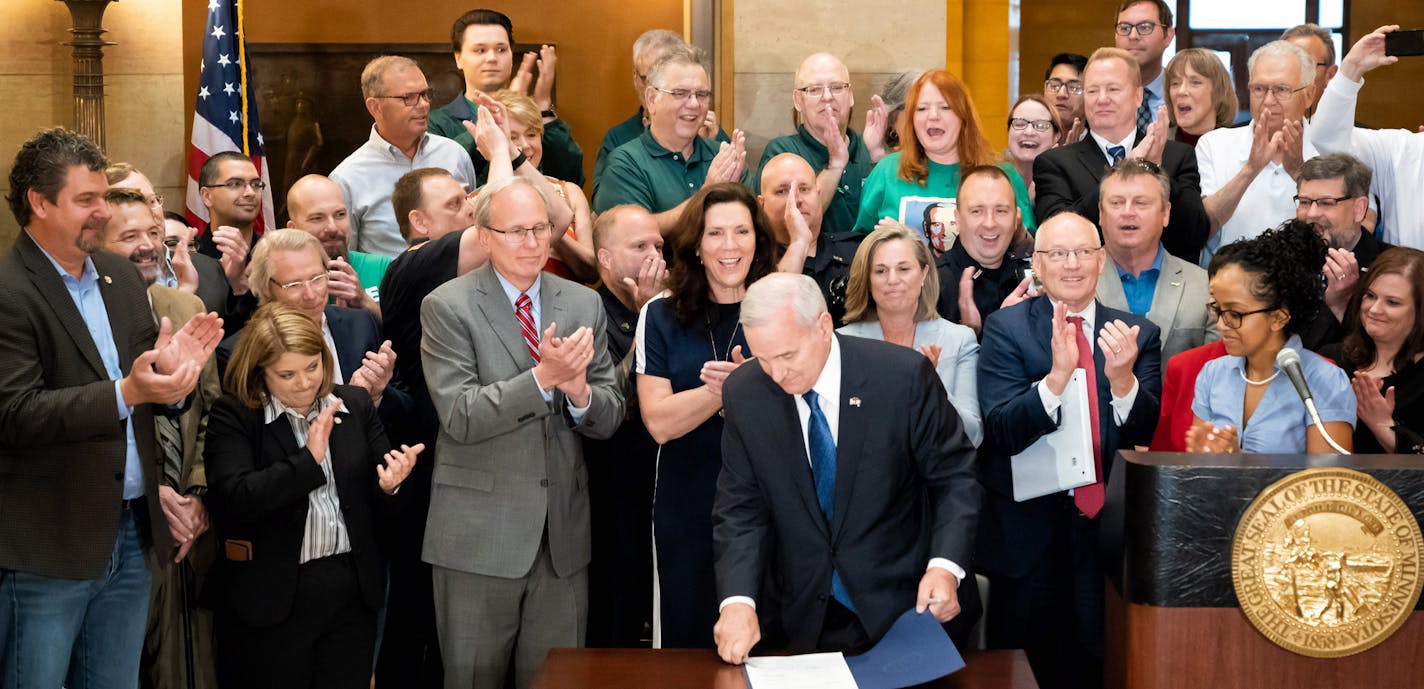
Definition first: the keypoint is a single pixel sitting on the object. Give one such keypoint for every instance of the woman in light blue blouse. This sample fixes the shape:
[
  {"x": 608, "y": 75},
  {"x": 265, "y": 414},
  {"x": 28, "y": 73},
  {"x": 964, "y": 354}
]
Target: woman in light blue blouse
[
  {"x": 1263, "y": 292},
  {"x": 891, "y": 297}
]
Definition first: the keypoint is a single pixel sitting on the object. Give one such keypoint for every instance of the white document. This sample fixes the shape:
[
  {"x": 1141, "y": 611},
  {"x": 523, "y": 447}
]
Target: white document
[
  {"x": 809, "y": 671},
  {"x": 1064, "y": 458}
]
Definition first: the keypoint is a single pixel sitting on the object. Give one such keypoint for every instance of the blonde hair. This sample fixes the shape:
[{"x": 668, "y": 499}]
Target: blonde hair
[
  {"x": 259, "y": 267},
  {"x": 275, "y": 329},
  {"x": 860, "y": 305},
  {"x": 521, "y": 109}
]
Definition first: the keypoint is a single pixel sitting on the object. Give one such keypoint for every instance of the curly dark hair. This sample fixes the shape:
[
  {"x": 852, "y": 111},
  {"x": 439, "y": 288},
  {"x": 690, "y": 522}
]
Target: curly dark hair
[
  {"x": 43, "y": 164},
  {"x": 1284, "y": 264},
  {"x": 1358, "y": 350},
  {"x": 687, "y": 278}
]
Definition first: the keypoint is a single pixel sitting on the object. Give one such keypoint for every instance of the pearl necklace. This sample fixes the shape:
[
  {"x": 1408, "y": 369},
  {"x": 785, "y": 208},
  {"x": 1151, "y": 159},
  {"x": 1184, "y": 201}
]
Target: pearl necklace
[{"x": 1242, "y": 371}]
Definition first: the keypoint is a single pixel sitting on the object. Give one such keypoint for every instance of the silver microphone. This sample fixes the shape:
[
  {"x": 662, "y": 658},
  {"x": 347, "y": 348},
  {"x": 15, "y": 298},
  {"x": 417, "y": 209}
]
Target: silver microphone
[{"x": 1289, "y": 361}]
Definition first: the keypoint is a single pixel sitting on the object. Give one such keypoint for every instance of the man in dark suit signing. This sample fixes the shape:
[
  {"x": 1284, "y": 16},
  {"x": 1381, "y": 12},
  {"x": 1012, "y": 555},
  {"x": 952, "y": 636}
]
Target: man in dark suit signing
[
  {"x": 83, "y": 367},
  {"x": 846, "y": 469},
  {"x": 1067, "y": 178},
  {"x": 1040, "y": 554}
]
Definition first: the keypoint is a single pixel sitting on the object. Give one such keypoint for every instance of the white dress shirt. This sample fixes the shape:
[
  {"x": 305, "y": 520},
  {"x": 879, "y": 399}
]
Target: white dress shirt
[
  {"x": 1122, "y": 406},
  {"x": 536, "y": 309}
]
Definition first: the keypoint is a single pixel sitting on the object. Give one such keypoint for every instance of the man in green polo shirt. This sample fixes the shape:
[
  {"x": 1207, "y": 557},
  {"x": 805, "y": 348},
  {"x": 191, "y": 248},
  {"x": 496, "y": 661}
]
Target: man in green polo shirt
[
  {"x": 315, "y": 204},
  {"x": 669, "y": 162},
  {"x": 823, "y": 101},
  {"x": 483, "y": 42}
]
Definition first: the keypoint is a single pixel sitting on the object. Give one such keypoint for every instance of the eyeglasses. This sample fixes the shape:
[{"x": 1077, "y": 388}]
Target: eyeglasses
[
  {"x": 1061, "y": 255},
  {"x": 1325, "y": 204},
  {"x": 1055, "y": 85},
  {"x": 816, "y": 90},
  {"x": 172, "y": 244},
  {"x": 237, "y": 185},
  {"x": 1019, "y": 124},
  {"x": 413, "y": 99},
  {"x": 314, "y": 282},
  {"x": 1229, "y": 318},
  {"x": 1279, "y": 92},
  {"x": 156, "y": 200},
  {"x": 516, "y": 235},
  {"x": 1142, "y": 28},
  {"x": 684, "y": 94}
]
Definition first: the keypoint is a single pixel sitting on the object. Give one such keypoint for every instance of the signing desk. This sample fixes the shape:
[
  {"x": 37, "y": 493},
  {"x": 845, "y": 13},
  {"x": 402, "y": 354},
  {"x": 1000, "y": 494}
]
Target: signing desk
[{"x": 634, "y": 668}]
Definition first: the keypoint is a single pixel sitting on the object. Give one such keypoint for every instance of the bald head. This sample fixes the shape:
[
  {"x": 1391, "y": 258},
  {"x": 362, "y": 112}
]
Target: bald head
[
  {"x": 828, "y": 72},
  {"x": 315, "y": 204},
  {"x": 779, "y": 177},
  {"x": 1070, "y": 225}
]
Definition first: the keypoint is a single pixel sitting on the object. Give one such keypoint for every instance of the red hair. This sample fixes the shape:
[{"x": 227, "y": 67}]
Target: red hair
[{"x": 974, "y": 149}]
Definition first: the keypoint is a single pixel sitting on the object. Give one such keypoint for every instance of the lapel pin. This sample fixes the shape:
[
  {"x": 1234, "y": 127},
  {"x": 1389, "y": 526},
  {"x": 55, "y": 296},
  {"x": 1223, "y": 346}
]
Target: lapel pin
[
  {"x": 108, "y": 280},
  {"x": 855, "y": 401},
  {"x": 336, "y": 420},
  {"x": 1176, "y": 284}
]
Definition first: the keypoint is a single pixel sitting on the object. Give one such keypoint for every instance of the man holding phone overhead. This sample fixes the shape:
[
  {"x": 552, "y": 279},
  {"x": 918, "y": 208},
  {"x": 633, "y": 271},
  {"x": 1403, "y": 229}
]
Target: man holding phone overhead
[{"x": 1395, "y": 155}]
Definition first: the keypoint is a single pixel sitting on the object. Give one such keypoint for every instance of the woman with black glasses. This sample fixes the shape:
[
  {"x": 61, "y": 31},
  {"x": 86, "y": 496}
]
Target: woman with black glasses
[
  {"x": 1034, "y": 127},
  {"x": 1263, "y": 291}
]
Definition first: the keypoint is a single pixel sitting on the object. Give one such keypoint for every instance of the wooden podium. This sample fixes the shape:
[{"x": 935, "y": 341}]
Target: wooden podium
[{"x": 1172, "y": 615}]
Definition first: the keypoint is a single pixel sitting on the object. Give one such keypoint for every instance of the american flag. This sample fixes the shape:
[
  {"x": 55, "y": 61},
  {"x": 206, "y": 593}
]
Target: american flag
[{"x": 225, "y": 117}]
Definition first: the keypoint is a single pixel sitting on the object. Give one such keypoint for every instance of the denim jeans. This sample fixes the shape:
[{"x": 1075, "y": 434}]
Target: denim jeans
[{"x": 84, "y": 634}]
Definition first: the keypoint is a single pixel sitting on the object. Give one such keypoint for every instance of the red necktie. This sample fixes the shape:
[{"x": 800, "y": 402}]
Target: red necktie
[
  {"x": 524, "y": 310},
  {"x": 1089, "y": 498}
]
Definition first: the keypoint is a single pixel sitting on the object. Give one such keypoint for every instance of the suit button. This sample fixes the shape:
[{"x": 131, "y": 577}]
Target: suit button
[
  {"x": 543, "y": 483},
  {"x": 820, "y": 599}
]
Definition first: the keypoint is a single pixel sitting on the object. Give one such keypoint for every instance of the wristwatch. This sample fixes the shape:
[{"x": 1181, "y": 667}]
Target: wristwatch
[{"x": 549, "y": 113}]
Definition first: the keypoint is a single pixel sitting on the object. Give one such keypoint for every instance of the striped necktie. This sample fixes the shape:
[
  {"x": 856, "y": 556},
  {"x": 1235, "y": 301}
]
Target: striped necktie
[{"x": 524, "y": 310}]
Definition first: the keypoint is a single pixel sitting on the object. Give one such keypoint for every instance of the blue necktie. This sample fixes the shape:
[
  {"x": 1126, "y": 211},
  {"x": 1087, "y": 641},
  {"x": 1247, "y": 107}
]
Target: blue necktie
[
  {"x": 1146, "y": 113},
  {"x": 1117, "y": 153},
  {"x": 823, "y": 470}
]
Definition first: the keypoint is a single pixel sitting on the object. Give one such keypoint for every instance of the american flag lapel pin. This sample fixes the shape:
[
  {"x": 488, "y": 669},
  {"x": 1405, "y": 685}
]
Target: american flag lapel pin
[{"x": 855, "y": 401}]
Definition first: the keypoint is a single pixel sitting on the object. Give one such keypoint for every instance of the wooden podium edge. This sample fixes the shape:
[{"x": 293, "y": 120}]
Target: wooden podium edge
[{"x": 1150, "y": 647}]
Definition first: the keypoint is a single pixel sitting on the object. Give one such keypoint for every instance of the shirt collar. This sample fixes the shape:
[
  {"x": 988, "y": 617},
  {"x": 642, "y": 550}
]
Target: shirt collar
[
  {"x": 1292, "y": 342},
  {"x": 275, "y": 409},
  {"x": 1104, "y": 144},
  {"x": 657, "y": 150},
  {"x": 1155, "y": 86},
  {"x": 88, "y": 276},
  {"x": 1156, "y": 265},
  {"x": 512, "y": 293},
  {"x": 391, "y": 149},
  {"x": 1089, "y": 314},
  {"x": 828, "y": 384}
]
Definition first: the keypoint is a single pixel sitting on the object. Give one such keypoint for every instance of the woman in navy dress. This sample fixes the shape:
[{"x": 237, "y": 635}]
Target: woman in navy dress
[{"x": 689, "y": 342}]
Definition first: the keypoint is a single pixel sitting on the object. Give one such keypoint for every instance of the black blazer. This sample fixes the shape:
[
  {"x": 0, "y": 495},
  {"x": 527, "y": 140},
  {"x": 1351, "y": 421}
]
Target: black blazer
[
  {"x": 1066, "y": 179},
  {"x": 905, "y": 492},
  {"x": 1015, "y": 355},
  {"x": 62, "y": 443},
  {"x": 258, "y": 483}
]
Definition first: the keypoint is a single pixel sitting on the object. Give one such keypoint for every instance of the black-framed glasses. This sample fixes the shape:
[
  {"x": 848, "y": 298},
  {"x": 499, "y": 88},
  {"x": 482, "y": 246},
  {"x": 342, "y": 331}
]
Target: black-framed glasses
[
  {"x": 817, "y": 90},
  {"x": 413, "y": 99},
  {"x": 1055, "y": 85},
  {"x": 1280, "y": 92},
  {"x": 314, "y": 282},
  {"x": 1325, "y": 204},
  {"x": 237, "y": 185},
  {"x": 1019, "y": 124},
  {"x": 1142, "y": 28},
  {"x": 516, "y": 235},
  {"x": 1061, "y": 255},
  {"x": 1231, "y": 318},
  {"x": 684, "y": 94}
]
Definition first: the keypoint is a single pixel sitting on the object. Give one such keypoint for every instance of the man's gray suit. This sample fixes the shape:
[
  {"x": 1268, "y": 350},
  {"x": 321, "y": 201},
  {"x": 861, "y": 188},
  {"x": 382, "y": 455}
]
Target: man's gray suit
[
  {"x": 1178, "y": 304},
  {"x": 509, "y": 497}
]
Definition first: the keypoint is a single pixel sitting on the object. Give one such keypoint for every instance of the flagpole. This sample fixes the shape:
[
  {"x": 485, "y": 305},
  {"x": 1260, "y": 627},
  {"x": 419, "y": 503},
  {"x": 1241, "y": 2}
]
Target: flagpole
[{"x": 242, "y": 75}]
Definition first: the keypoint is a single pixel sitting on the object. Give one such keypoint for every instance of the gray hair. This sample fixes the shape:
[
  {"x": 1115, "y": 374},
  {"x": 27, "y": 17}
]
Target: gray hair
[
  {"x": 1286, "y": 49},
  {"x": 373, "y": 76},
  {"x": 1307, "y": 30},
  {"x": 1342, "y": 166},
  {"x": 485, "y": 199},
  {"x": 656, "y": 39},
  {"x": 768, "y": 299},
  {"x": 688, "y": 56},
  {"x": 259, "y": 268}
]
